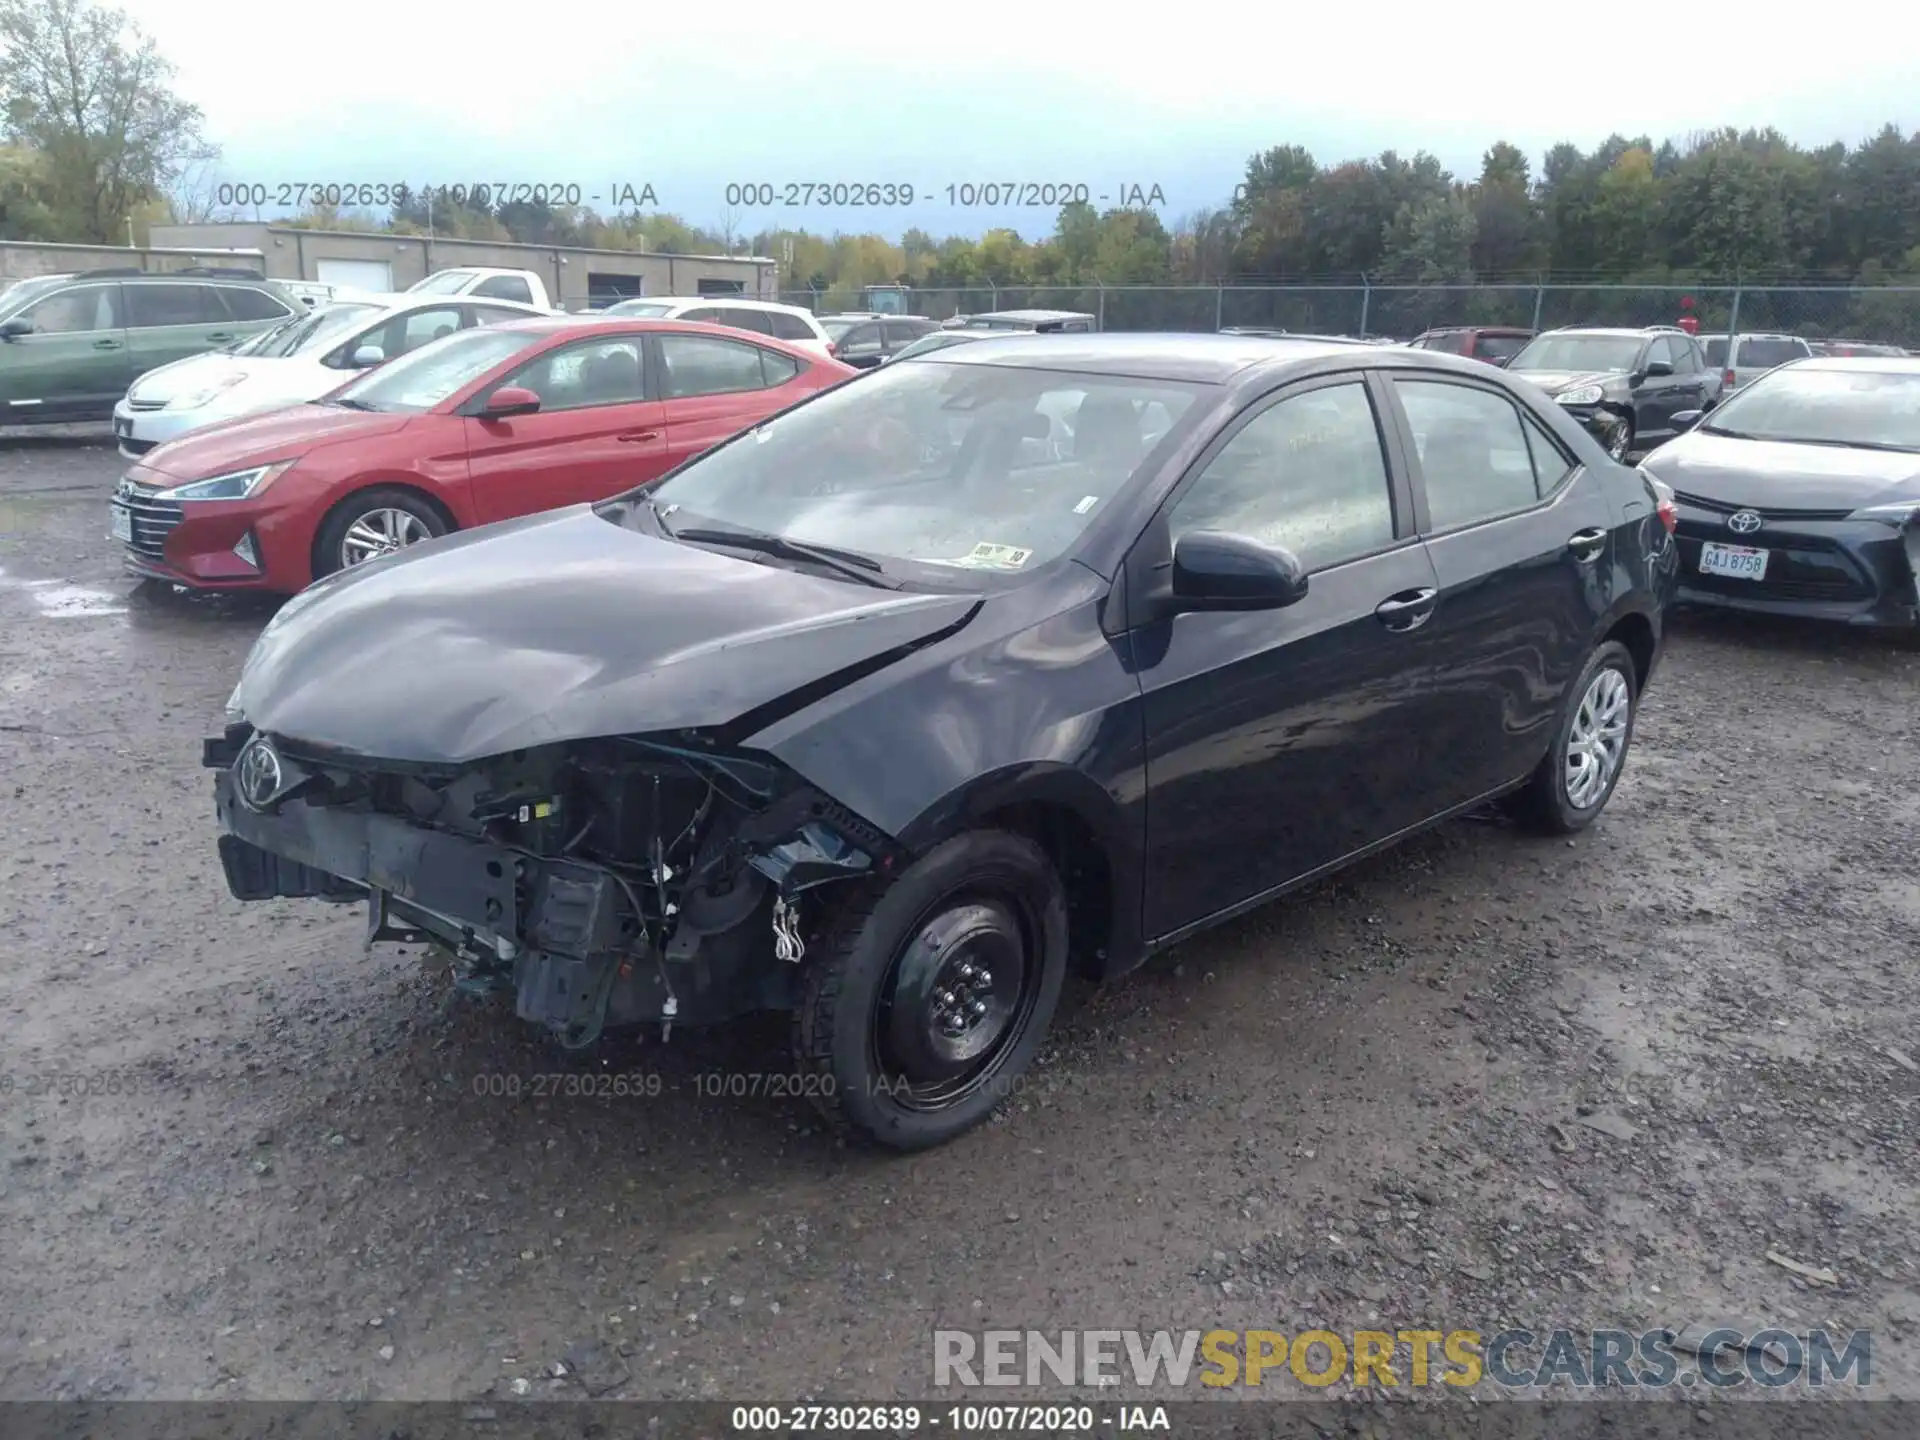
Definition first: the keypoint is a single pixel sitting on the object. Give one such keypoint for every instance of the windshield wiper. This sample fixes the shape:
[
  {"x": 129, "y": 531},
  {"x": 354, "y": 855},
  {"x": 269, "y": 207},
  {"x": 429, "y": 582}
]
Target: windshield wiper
[
  {"x": 353, "y": 405},
  {"x": 849, "y": 563}
]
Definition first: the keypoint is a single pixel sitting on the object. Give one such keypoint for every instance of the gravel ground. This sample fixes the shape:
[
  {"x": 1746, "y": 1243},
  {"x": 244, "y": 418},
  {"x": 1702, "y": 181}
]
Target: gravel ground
[{"x": 1483, "y": 1081}]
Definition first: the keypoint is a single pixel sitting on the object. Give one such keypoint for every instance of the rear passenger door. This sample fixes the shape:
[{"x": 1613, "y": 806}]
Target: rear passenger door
[
  {"x": 1520, "y": 537},
  {"x": 168, "y": 321},
  {"x": 713, "y": 387}
]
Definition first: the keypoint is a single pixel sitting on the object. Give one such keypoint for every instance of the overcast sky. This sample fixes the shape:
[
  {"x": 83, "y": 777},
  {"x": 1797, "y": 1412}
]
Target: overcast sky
[{"x": 688, "y": 98}]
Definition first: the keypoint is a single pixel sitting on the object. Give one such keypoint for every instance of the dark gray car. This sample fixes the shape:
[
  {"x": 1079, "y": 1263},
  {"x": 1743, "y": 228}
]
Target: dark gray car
[{"x": 1625, "y": 386}]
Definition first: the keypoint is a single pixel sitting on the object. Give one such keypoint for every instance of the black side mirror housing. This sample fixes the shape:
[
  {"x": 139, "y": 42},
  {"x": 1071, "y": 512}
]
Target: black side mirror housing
[
  {"x": 1686, "y": 419},
  {"x": 1656, "y": 368},
  {"x": 17, "y": 326},
  {"x": 1214, "y": 570}
]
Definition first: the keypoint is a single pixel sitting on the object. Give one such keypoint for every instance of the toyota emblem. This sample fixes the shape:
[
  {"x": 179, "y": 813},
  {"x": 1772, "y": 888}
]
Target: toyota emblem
[
  {"x": 257, "y": 774},
  {"x": 1744, "y": 522}
]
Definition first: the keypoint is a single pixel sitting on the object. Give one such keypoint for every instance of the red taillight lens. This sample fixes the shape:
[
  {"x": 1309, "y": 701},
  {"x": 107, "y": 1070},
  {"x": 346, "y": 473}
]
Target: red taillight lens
[
  {"x": 833, "y": 350},
  {"x": 1726, "y": 377},
  {"x": 1663, "y": 502}
]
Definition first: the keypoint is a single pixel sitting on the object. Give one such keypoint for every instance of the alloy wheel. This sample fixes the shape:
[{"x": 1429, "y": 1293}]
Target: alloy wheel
[
  {"x": 1597, "y": 741},
  {"x": 381, "y": 532},
  {"x": 1618, "y": 439}
]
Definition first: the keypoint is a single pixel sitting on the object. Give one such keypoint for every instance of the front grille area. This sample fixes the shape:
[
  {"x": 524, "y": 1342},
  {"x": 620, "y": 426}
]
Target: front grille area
[
  {"x": 1721, "y": 507},
  {"x": 1805, "y": 570},
  {"x": 153, "y": 519},
  {"x": 133, "y": 404}
]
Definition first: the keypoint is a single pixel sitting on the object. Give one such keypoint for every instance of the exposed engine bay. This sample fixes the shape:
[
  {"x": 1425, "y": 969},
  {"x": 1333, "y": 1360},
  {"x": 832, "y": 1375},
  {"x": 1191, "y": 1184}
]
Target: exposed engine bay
[{"x": 601, "y": 882}]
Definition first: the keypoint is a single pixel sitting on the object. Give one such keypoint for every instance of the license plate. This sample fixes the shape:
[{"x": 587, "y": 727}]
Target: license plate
[
  {"x": 1736, "y": 562},
  {"x": 122, "y": 524}
]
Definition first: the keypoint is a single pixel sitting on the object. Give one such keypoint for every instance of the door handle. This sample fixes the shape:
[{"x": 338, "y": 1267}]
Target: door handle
[
  {"x": 1408, "y": 610},
  {"x": 221, "y": 335},
  {"x": 106, "y": 344},
  {"x": 1587, "y": 545},
  {"x": 636, "y": 437}
]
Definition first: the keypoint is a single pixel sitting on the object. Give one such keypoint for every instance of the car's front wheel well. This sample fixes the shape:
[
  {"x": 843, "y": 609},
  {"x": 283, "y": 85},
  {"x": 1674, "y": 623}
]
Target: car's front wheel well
[
  {"x": 1636, "y": 633},
  {"x": 1084, "y": 870},
  {"x": 318, "y": 560}
]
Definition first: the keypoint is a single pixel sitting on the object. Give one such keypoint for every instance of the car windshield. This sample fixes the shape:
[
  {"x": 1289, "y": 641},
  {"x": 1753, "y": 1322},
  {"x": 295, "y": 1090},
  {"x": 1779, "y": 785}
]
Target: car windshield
[
  {"x": 21, "y": 292},
  {"x": 961, "y": 468},
  {"x": 311, "y": 332},
  {"x": 645, "y": 309},
  {"x": 1578, "y": 353},
  {"x": 423, "y": 378},
  {"x": 1826, "y": 407},
  {"x": 1765, "y": 354},
  {"x": 446, "y": 282}
]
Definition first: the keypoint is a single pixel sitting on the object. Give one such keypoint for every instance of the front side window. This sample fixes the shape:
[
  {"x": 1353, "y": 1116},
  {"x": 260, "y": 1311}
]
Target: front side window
[
  {"x": 948, "y": 466},
  {"x": 506, "y": 287},
  {"x": 860, "y": 340},
  {"x": 575, "y": 377},
  {"x": 73, "y": 312},
  {"x": 1307, "y": 474},
  {"x": 408, "y": 331},
  {"x": 1474, "y": 456},
  {"x": 434, "y": 373}
]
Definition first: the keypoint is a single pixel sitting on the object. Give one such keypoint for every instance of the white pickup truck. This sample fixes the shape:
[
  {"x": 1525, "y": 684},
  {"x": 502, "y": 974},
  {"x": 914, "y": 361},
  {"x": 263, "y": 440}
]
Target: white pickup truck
[{"x": 479, "y": 281}]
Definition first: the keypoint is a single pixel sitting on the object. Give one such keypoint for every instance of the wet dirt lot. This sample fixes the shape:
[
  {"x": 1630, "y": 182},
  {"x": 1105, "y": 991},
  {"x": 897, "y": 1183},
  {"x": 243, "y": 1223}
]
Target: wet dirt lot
[{"x": 1484, "y": 1081}]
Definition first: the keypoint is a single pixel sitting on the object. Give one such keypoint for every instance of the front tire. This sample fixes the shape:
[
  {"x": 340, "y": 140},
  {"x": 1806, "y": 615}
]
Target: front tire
[
  {"x": 372, "y": 523},
  {"x": 930, "y": 996},
  {"x": 1577, "y": 776},
  {"x": 1619, "y": 439}
]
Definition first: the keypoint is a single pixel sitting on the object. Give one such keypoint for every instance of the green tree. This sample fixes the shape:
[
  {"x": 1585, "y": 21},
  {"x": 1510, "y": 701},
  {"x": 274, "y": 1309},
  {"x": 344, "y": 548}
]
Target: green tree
[{"x": 84, "y": 88}]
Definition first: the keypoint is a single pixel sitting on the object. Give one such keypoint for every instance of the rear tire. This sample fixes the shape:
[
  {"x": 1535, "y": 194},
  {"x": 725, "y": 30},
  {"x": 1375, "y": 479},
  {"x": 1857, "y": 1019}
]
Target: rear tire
[
  {"x": 929, "y": 997},
  {"x": 1577, "y": 775},
  {"x": 367, "y": 519}
]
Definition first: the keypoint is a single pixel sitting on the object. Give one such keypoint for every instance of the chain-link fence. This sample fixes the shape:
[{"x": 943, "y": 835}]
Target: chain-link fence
[{"x": 1887, "y": 315}]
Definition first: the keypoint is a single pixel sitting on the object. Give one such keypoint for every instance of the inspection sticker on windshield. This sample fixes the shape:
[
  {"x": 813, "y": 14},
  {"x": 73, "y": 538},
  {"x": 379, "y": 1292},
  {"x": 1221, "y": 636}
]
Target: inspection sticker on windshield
[
  {"x": 995, "y": 557},
  {"x": 1086, "y": 504}
]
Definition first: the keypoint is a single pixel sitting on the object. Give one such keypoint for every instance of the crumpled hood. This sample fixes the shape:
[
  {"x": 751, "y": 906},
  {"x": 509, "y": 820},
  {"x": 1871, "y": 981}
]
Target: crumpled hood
[
  {"x": 1780, "y": 475},
  {"x": 1554, "y": 381},
  {"x": 559, "y": 626}
]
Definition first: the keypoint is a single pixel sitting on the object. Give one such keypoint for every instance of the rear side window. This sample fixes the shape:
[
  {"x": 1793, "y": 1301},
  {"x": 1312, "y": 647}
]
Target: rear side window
[
  {"x": 789, "y": 327},
  {"x": 153, "y": 306},
  {"x": 1765, "y": 354},
  {"x": 741, "y": 319},
  {"x": 777, "y": 369},
  {"x": 707, "y": 365},
  {"x": 1474, "y": 456},
  {"x": 505, "y": 287},
  {"x": 250, "y": 305}
]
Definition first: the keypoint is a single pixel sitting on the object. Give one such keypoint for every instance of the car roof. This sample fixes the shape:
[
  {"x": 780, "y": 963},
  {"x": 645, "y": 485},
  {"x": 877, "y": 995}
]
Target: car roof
[
  {"x": 746, "y": 301},
  {"x": 1636, "y": 331},
  {"x": 409, "y": 300},
  {"x": 1212, "y": 359},
  {"x": 1036, "y": 316}
]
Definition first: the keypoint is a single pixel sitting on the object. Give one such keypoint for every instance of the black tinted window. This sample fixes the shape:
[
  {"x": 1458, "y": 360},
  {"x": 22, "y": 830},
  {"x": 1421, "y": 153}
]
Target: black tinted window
[
  {"x": 1473, "y": 454},
  {"x": 777, "y": 369},
  {"x": 506, "y": 287},
  {"x": 1661, "y": 350},
  {"x": 1716, "y": 349},
  {"x": 1499, "y": 347},
  {"x": 741, "y": 319},
  {"x": 703, "y": 365},
  {"x": 789, "y": 327},
  {"x": 705, "y": 315},
  {"x": 1765, "y": 354},
  {"x": 151, "y": 306},
  {"x": 249, "y": 305},
  {"x": 1307, "y": 474},
  {"x": 904, "y": 332},
  {"x": 860, "y": 340}
]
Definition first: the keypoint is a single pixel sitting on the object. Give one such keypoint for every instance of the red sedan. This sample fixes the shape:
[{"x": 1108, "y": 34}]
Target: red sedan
[{"x": 483, "y": 425}]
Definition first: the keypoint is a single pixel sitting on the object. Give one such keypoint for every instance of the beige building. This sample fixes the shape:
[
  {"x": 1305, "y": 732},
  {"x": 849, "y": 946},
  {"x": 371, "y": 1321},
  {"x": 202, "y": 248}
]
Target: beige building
[{"x": 370, "y": 261}]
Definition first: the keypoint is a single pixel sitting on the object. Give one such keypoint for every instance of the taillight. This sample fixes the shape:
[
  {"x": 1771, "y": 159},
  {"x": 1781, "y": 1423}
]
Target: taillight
[
  {"x": 1663, "y": 502},
  {"x": 1726, "y": 377}
]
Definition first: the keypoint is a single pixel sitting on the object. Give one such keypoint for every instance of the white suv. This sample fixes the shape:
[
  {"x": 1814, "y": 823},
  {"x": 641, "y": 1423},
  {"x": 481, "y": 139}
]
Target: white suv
[{"x": 763, "y": 317}]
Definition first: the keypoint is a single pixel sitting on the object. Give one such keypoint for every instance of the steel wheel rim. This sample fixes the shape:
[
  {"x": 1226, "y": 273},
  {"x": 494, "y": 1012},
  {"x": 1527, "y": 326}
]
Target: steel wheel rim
[
  {"x": 1597, "y": 740},
  {"x": 939, "y": 1035},
  {"x": 381, "y": 532}
]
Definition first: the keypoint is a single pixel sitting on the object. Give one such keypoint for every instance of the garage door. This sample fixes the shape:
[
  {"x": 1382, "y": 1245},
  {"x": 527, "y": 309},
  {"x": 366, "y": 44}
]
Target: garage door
[{"x": 374, "y": 275}]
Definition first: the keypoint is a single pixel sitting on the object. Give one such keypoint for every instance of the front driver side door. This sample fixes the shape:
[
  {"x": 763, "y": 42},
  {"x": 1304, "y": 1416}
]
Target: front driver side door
[
  {"x": 73, "y": 364},
  {"x": 595, "y": 434},
  {"x": 1279, "y": 741}
]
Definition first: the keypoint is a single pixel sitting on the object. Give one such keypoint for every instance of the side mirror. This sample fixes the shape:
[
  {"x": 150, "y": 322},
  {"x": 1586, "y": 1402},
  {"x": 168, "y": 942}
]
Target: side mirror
[
  {"x": 1213, "y": 570},
  {"x": 509, "y": 400},
  {"x": 1499, "y": 362},
  {"x": 17, "y": 326},
  {"x": 367, "y": 356},
  {"x": 1686, "y": 419},
  {"x": 1656, "y": 368}
]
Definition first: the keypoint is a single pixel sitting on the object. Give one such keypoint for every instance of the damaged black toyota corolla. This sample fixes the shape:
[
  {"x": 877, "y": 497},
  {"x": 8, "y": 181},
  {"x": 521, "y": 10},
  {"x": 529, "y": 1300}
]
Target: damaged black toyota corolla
[{"x": 1023, "y": 659}]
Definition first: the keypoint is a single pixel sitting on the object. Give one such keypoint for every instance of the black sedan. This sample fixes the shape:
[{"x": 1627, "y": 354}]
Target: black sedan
[
  {"x": 891, "y": 712},
  {"x": 1800, "y": 495}
]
